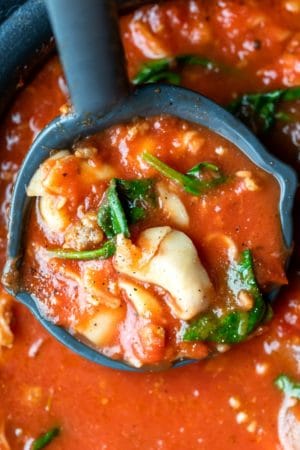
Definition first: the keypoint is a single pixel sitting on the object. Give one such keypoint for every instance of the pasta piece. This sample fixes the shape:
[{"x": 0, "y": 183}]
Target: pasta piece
[
  {"x": 53, "y": 213},
  {"x": 289, "y": 425},
  {"x": 66, "y": 272},
  {"x": 167, "y": 258},
  {"x": 96, "y": 172},
  {"x": 172, "y": 206},
  {"x": 101, "y": 328},
  {"x": 41, "y": 185},
  {"x": 48, "y": 178},
  {"x": 152, "y": 343},
  {"x": 68, "y": 166},
  {"x": 145, "y": 303},
  {"x": 6, "y": 335},
  {"x": 47, "y": 183},
  {"x": 98, "y": 288},
  {"x": 133, "y": 255},
  {"x": 147, "y": 42},
  {"x": 36, "y": 186}
]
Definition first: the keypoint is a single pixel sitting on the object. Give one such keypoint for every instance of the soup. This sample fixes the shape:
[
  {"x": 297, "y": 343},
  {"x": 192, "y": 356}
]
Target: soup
[
  {"x": 143, "y": 239},
  {"x": 226, "y": 402}
]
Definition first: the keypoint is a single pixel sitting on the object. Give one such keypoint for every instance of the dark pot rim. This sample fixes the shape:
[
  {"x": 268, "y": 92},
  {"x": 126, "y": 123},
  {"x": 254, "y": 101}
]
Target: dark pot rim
[{"x": 25, "y": 30}]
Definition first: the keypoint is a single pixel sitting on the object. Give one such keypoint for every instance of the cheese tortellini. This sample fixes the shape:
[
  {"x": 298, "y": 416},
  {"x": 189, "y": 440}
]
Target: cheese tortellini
[{"x": 167, "y": 258}]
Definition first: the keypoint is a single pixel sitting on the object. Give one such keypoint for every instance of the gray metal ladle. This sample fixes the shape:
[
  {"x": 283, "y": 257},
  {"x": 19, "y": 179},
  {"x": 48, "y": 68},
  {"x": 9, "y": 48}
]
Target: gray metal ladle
[{"x": 90, "y": 48}]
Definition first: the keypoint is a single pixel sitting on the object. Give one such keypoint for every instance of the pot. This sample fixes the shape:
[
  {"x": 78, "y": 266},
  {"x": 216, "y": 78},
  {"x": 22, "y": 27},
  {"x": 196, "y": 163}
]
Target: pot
[{"x": 26, "y": 32}]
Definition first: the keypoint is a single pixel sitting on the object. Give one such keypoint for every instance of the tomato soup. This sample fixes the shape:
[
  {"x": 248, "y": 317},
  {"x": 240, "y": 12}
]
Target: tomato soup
[
  {"x": 235, "y": 399},
  {"x": 146, "y": 262}
]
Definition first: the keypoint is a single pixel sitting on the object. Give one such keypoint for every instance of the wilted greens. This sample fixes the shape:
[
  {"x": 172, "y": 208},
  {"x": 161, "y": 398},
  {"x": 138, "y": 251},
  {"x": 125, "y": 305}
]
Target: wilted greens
[
  {"x": 125, "y": 202},
  {"x": 168, "y": 69},
  {"x": 192, "y": 182},
  {"x": 236, "y": 325},
  {"x": 104, "y": 252},
  {"x": 45, "y": 439},
  {"x": 259, "y": 111}
]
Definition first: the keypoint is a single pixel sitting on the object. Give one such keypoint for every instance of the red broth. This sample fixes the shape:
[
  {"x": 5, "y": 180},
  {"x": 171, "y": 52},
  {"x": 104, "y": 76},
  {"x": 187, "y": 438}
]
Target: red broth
[
  {"x": 224, "y": 403},
  {"x": 121, "y": 306}
]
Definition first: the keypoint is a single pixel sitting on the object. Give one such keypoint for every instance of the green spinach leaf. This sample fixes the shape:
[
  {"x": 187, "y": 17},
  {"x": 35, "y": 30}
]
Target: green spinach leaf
[
  {"x": 45, "y": 439},
  {"x": 111, "y": 215},
  {"x": 236, "y": 325},
  {"x": 137, "y": 197},
  {"x": 125, "y": 202},
  {"x": 258, "y": 111},
  {"x": 192, "y": 182},
  {"x": 157, "y": 70},
  {"x": 106, "y": 251},
  {"x": 196, "y": 60},
  {"x": 168, "y": 69}
]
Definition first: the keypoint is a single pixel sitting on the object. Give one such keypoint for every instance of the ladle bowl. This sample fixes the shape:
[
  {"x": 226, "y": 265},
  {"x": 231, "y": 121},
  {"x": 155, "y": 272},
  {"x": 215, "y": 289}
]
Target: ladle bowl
[{"x": 94, "y": 112}]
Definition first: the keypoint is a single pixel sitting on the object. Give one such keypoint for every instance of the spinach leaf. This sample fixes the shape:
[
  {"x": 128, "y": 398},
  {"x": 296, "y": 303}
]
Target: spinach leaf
[
  {"x": 196, "y": 60},
  {"x": 125, "y": 202},
  {"x": 45, "y": 439},
  {"x": 284, "y": 116},
  {"x": 258, "y": 111},
  {"x": 290, "y": 387},
  {"x": 165, "y": 77},
  {"x": 291, "y": 94},
  {"x": 111, "y": 215},
  {"x": 236, "y": 325},
  {"x": 106, "y": 251},
  {"x": 137, "y": 196},
  {"x": 167, "y": 69},
  {"x": 192, "y": 182},
  {"x": 157, "y": 70},
  {"x": 198, "y": 169}
]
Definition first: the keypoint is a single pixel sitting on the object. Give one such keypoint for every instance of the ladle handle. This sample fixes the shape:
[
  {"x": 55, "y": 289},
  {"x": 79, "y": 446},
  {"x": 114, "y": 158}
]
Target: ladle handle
[{"x": 89, "y": 43}]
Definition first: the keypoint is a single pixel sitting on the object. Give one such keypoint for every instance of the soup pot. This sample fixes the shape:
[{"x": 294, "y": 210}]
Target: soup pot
[{"x": 26, "y": 41}]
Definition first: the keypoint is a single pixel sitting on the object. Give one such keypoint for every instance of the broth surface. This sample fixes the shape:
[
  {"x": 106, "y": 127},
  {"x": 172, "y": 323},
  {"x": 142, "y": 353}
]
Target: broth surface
[{"x": 223, "y": 403}]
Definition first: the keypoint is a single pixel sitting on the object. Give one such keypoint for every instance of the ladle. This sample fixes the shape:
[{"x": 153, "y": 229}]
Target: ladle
[{"x": 90, "y": 48}]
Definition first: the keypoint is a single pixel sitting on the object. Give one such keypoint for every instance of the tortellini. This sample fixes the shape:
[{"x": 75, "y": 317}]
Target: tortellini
[
  {"x": 48, "y": 184},
  {"x": 53, "y": 213},
  {"x": 36, "y": 187},
  {"x": 145, "y": 303},
  {"x": 102, "y": 326},
  {"x": 167, "y": 258},
  {"x": 172, "y": 206}
]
